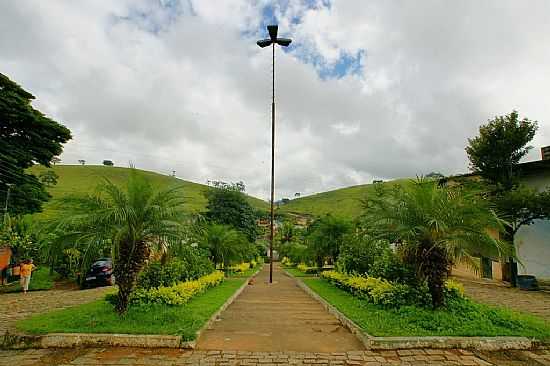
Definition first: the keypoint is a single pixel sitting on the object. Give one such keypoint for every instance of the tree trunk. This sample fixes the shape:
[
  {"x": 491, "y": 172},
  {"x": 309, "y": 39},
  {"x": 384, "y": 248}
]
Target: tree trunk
[
  {"x": 127, "y": 267},
  {"x": 436, "y": 265}
]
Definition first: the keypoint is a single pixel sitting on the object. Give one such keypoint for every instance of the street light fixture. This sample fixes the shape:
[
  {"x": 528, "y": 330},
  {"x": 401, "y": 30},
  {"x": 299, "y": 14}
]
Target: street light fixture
[{"x": 271, "y": 41}]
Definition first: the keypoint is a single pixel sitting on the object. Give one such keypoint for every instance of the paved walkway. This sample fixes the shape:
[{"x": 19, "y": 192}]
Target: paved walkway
[
  {"x": 16, "y": 306},
  {"x": 165, "y": 357},
  {"x": 494, "y": 293},
  {"x": 277, "y": 317}
]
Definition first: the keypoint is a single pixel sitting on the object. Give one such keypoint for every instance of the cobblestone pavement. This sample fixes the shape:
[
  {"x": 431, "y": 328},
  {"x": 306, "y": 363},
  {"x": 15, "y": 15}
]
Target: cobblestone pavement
[
  {"x": 166, "y": 357},
  {"x": 493, "y": 293},
  {"x": 17, "y": 306}
]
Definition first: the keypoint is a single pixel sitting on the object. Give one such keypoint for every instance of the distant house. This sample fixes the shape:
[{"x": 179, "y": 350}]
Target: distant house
[{"x": 532, "y": 242}]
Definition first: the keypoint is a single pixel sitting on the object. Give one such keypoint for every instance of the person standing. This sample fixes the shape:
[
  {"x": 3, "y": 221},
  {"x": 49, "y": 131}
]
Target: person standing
[{"x": 25, "y": 272}]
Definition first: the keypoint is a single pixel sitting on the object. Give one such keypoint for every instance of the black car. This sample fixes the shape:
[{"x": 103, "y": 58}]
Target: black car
[{"x": 100, "y": 274}]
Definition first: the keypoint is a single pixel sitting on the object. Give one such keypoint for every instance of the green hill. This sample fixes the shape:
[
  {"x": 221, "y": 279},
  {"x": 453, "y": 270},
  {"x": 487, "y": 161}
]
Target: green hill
[
  {"x": 80, "y": 179},
  {"x": 344, "y": 202}
]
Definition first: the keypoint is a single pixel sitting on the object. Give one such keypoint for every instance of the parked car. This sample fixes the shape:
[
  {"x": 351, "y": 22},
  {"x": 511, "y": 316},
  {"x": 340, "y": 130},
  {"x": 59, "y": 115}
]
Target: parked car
[{"x": 100, "y": 274}]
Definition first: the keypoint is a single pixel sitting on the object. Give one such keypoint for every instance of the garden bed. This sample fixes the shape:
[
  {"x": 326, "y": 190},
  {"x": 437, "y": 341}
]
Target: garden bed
[
  {"x": 99, "y": 317},
  {"x": 468, "y": 320}
]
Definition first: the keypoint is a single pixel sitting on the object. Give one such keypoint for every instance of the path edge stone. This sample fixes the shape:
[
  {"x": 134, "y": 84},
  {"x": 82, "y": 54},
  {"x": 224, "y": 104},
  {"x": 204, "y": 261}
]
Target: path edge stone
[
  {"x": 391, "y": 343},
  {"x": 70, "y": 340}
]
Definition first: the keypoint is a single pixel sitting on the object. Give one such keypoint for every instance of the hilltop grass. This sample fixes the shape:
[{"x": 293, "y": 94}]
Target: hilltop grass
[
  {"x": 468, "y": 319},
  {"x": 345, "y": 202},
  {"x": 99, "y": 316},
  {"x": 83, "y": 179}
]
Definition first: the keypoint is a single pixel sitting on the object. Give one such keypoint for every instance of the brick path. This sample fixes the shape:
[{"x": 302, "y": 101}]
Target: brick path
[
  {"x": 16, "y": 306},
  {"x": 277, "y": 317},
  {"x": 493, "y": 293},
  {"x": 142, "y": 357}
]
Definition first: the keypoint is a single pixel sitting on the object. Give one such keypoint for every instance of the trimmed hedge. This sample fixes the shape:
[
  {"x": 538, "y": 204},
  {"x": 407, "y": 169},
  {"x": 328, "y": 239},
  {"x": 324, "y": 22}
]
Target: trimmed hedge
[
  {"x": 390, "y": 294},
  {"x": 173, "y": 272},
  {"x": 177, "y": 294}
]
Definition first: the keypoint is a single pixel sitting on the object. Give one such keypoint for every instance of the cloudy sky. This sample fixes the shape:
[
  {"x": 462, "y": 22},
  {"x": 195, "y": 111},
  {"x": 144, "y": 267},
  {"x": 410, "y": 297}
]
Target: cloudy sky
[{"x": 367, "y": 90}]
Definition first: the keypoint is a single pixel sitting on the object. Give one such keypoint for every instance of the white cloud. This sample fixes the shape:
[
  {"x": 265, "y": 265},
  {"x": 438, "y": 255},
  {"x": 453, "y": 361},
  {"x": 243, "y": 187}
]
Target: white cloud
[{"x": 182, "y": 86}]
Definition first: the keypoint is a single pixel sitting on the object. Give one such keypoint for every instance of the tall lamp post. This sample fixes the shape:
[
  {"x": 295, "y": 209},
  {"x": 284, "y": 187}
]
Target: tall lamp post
[
  {"x": 7, "y": 200},
  {"x": 272, "y": 41}
]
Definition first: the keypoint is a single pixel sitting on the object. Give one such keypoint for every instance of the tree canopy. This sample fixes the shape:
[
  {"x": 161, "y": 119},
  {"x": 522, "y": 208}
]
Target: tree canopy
[
  {"x": 227, "y": 205},
  {"x": 26, "y": 137},
  {"x": 499, "y": 147}
]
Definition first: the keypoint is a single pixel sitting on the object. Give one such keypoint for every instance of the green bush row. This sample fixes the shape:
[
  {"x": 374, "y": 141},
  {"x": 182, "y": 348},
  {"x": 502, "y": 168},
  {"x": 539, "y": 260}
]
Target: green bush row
[
  {"x": 387, "y": 293},
  {"x": 177, "y": 294}
]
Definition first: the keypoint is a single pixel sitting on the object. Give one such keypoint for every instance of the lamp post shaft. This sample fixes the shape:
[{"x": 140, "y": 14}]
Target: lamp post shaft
[
  {"x": 271, "y": 237},
  {"x": 7, "y": 200}
]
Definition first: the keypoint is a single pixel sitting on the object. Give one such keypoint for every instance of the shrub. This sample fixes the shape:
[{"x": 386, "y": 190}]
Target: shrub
[
  {"x": 364, "y": 255},
  {"x": 177, "y": 294},
  {"x": 240, "y": 268},
  {"x": 286, "y": 262},
  {"x": 387, "y": 293},
  {"x": 176, "y": 270},
  {"x": 388, "y": 265},
  {"x": 295, "y": 252},
  {"x": 302, "y": 267},
  {"x": 359, "y": 252}
]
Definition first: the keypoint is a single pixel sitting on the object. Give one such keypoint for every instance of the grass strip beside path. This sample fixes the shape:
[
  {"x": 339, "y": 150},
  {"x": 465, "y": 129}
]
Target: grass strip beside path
[
  {"x": 469, "y": 319},
  {"x": 297, "y": 273},
  {"x": 99, "y": 317}
]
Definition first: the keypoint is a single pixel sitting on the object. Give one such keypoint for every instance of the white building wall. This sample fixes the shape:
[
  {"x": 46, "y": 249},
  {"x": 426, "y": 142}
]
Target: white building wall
[{"x": 533, "y": 242}]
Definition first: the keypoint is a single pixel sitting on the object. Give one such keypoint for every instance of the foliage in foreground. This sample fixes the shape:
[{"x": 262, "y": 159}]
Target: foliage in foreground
[
  {"x": 434, "y": 227},
  {"x": 98, "y": 316},
  {"x": 132, "y": 220},
  {"x": 461, "y": 317}
]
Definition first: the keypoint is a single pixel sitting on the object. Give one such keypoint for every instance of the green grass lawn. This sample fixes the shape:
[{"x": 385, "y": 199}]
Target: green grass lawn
[
  {"x": 344, "y": 202},
  {"x": 99, "y": 317},
  {"x": 467, "y": 319},
  {"x": 297, "y": 273},
  {"x": 41, "y": 279},
  {"x": 81, "y": 179}
]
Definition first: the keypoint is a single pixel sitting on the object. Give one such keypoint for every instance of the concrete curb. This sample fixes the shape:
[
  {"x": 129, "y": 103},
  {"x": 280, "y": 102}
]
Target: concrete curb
[
  {"x": 389, "y": 343},
  {"x": 70, "y": 340}
]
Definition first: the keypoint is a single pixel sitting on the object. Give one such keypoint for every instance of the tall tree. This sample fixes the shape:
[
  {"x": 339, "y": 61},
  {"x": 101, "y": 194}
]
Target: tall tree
[
  {"x": 499, "y": 147},
  {"x": 325, "y": 236},
  {"x": 228, "y": 205},
  {"x": 133, "y": 220},
  {"x": 494, "y": 155},
  {"x": 26, "y": 137},
  {"x": 434, "y": 227}
]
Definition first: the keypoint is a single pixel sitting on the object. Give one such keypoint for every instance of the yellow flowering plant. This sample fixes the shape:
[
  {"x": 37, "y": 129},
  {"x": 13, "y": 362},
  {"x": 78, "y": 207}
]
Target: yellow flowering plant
[{"x": 179, "y": 293}]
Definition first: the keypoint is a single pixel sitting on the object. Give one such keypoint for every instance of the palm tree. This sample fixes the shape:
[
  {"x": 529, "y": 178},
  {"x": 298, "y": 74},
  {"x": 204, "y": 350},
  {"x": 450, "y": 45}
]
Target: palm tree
[
  {"x": 133, "y": 220},
  {"x": 434, "y": 227},
  {"x": 224, "y": 243}
]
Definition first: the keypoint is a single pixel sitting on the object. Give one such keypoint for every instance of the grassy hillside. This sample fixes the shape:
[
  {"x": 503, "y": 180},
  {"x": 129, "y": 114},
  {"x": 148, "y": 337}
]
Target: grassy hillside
[
  {"x": 345, "y": 202},
  {"x": 76, "y": 179}
]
